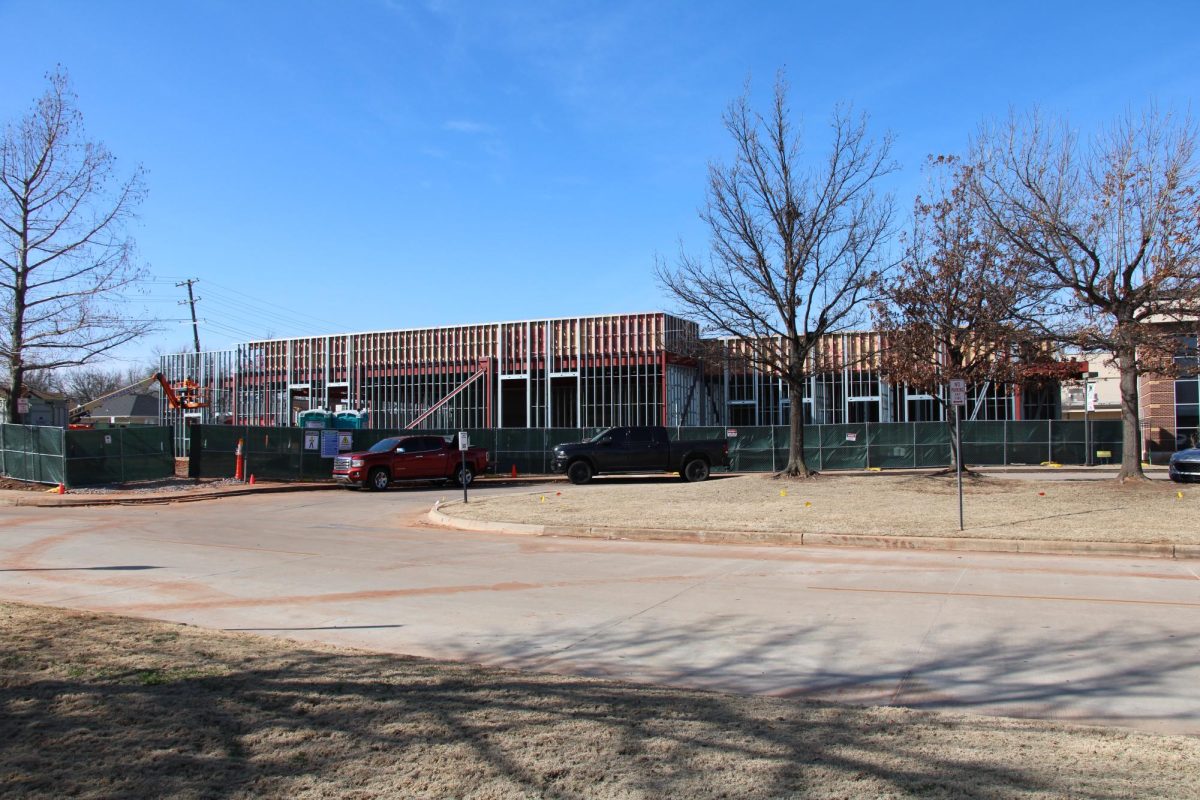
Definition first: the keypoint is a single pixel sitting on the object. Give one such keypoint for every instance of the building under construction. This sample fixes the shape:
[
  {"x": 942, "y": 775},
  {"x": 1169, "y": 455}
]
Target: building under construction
[{"x": 577, "y": 372}]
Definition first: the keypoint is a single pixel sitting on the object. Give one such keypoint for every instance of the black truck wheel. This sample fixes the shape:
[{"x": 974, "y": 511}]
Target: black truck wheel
[
  {"x": 378, "y": 479},
  {"x": 464, "y": 475},
  {"x": 579, "y": 473},
  {"x": 695, "y": 470}
]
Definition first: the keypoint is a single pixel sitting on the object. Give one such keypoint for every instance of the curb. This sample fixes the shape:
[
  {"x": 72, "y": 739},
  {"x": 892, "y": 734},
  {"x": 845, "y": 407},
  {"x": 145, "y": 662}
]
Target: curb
[
  {"x": 40, "y": 500},
  {"x": 885, "y": 542},
  {"x": 79, "y": 501}
]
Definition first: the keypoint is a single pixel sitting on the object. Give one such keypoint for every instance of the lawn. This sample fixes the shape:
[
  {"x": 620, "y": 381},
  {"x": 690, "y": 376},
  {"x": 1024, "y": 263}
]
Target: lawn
[
  {"x": 103, "y": 706},
  {"x": 902, "y": 505}
]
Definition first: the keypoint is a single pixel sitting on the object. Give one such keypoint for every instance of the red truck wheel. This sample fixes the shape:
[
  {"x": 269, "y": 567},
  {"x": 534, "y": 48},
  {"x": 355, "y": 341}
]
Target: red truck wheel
[{"x": 377, "y": 481}]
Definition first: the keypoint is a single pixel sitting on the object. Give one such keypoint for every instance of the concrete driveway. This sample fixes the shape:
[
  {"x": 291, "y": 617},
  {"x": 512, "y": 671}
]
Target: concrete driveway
[{"x": 1107, "y": 640}]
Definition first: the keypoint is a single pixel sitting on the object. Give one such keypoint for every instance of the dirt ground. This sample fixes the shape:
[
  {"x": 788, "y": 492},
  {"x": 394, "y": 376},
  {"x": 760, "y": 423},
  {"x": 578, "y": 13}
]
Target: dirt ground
[
  {"x": 12, "y": 484},
  {"x": 163, "y": 486},
  {"x": 904, "y": 505},
  {"x": 102, "y": 706}
]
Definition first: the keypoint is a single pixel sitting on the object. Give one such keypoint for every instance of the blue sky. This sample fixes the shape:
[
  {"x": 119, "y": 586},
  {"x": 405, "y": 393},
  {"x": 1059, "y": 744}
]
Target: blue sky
[{"x": 362, "y": 165}]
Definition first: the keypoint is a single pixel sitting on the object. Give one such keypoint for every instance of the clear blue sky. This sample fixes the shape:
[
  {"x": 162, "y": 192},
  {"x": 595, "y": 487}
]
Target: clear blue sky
[{"x": 380, "y": 164}]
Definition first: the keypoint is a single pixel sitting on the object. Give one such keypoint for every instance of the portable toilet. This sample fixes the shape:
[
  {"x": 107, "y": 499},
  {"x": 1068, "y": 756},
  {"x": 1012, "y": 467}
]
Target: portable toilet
[
  {"x": 349, "y": 420},
  {"x": 315, "y": 418}
]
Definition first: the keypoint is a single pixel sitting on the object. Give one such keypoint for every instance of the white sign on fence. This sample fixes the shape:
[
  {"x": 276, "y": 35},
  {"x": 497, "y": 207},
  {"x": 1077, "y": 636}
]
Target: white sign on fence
[{"x": 464, "y": 440}]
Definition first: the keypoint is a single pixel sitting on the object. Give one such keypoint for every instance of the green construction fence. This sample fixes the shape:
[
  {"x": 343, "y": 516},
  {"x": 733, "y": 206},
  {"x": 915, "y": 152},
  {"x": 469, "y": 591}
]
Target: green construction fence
[
  {"x": 32, "y": 453},
  {"x": 284, "y": 453},
  {"x": 86, "y": 457},
  {"x": 118, "y": 455}
]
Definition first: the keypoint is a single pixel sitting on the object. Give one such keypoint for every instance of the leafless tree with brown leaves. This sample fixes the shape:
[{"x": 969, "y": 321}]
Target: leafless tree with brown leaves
[
  {"x": 796, "y": 248},
  {"x": 1112, "y": 223},
  {"x": 953, "y": 309},
  {"x": 64, "y": 253}
]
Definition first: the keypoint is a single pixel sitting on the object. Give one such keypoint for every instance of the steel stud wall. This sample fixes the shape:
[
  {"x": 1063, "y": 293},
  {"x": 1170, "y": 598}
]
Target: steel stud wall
[
  {"x": 576, "y": 372},
  {"x": 561, "y": 373}
]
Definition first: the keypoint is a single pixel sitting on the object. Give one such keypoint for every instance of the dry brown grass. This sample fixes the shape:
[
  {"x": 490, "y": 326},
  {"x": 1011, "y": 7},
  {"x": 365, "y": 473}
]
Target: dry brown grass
[
  {"x": 102, "y": 706},
  {"x": 904, "y": 505}
]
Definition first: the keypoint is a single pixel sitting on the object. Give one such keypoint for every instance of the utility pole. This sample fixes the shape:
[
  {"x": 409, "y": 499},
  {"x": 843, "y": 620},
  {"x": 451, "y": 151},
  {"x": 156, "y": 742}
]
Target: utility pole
[{"x": 191, "y": 301}]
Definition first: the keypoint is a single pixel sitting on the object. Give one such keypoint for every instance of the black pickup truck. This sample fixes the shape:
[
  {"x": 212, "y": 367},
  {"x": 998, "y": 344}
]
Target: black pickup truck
[{"x": 646, "y": 449}]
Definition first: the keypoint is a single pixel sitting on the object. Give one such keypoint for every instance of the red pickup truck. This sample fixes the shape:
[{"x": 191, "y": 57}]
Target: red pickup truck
[{"x": 409, "y": 458}]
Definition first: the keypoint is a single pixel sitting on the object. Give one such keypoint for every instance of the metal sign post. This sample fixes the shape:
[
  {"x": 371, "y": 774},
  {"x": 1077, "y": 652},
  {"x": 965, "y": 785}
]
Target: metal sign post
[
  {"x": 1089, "y": 405},
  {"x": 958, "y": 398},
  {"x": 958, "y": 464},
  {"x": 464, "y": 441}
]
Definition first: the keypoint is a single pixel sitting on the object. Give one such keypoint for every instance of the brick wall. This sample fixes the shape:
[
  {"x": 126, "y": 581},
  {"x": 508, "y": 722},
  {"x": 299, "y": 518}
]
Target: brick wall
[{"x": 1158, "y": 412}]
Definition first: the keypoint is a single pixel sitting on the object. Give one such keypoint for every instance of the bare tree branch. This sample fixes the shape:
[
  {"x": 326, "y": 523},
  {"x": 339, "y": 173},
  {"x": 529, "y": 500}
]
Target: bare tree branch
[
  {"x": 795, "y": 251},
  {"x": 1112, "y": 226},
  {"x": 62, "y": 242}
]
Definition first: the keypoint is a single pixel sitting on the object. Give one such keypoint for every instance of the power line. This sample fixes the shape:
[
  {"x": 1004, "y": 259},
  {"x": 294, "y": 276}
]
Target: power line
[
  {"x": 237, "y": 313},
  {"x": 289, "y": 310},
  {"x": 227, "y": 328}
]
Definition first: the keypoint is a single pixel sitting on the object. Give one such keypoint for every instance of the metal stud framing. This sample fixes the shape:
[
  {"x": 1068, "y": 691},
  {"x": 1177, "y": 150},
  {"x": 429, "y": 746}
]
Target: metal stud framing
[{"x": 577, "y": 372}]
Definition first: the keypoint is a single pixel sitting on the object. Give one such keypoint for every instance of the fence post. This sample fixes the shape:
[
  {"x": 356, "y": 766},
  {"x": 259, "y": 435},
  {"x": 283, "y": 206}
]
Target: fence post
[
  {"x": 912, "y": 429},
  {"x": 867, "y": 442},
  {"x": 773, "y": 429},
  {"x": 1004, "y": 443},
  {"x": 820, "y": 446}
]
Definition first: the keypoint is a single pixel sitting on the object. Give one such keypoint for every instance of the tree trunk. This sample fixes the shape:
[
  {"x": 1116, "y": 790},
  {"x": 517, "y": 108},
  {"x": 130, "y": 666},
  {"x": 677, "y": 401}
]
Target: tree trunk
[
  {"x": 796, "y": 466},
  {"x": 16, "y": 362},
  {"x": 952, "y": 430},
  {"x": 14, "y": 391},
  {"x": 1131, "y": 441}
]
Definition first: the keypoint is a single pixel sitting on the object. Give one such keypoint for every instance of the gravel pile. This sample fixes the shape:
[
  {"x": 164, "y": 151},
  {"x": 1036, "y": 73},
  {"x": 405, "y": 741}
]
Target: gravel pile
[{"x": 163, "y": 486}]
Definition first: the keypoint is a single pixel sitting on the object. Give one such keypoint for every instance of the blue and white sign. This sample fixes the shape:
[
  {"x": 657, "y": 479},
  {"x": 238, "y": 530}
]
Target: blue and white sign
[{"x": 329, "y": 444}]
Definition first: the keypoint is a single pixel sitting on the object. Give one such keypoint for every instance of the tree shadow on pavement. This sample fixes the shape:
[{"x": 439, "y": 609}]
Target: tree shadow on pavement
[{"x": 105, "y": 706}]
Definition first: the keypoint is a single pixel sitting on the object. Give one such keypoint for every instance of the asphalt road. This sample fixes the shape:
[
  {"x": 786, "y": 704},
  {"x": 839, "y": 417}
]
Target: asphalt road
[{"x": 1106, "y": 640}]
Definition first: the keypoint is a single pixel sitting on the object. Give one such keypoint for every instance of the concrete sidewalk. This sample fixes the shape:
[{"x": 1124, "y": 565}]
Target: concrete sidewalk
[{"x": 49, "y": 499}]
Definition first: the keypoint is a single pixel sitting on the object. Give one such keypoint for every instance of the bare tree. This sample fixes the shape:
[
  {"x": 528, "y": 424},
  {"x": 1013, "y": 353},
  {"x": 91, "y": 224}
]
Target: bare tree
[
  {"x": 87, "y": 383},
  {"x": 64, "y": 254},
  {"x": 1112, "y": 224},
  {"x": 796, "y": 248},
  {"x": 954, "y": 309}
]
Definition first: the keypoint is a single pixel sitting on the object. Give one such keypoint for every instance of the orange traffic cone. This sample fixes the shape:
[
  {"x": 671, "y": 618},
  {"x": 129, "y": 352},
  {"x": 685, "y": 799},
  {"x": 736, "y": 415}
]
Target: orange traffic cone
[
  {"x": 514, "y": 474},
  {"x": 62, "y": 489},
  {"x": 252, "y": 480}
]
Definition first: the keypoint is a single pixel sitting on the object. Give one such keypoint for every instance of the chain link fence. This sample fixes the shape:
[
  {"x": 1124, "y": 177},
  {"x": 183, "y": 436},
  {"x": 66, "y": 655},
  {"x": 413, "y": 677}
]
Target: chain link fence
[{"x": 288, "y": 454}]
